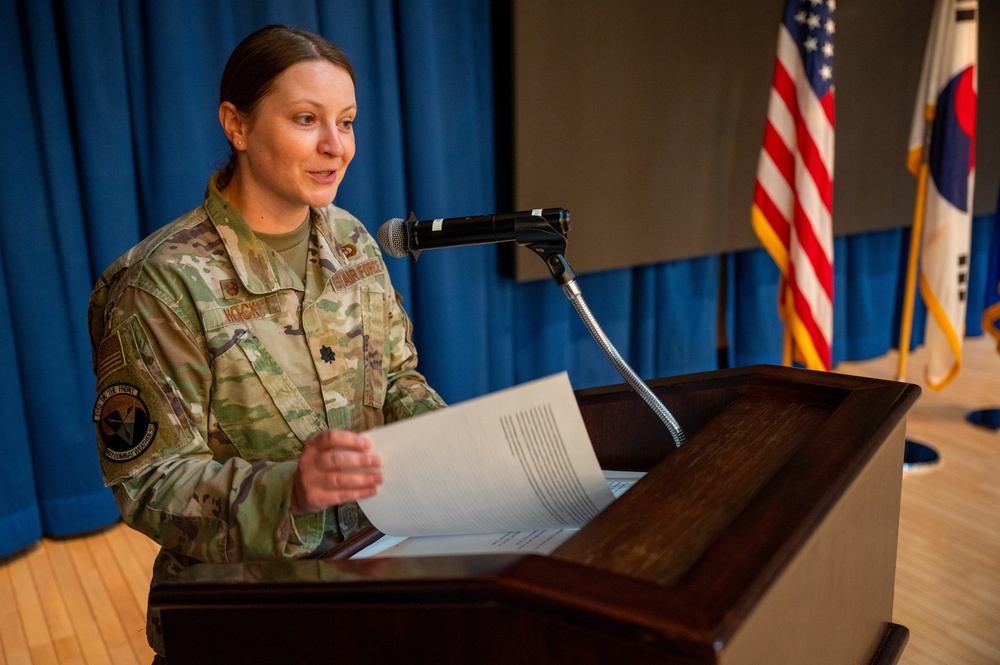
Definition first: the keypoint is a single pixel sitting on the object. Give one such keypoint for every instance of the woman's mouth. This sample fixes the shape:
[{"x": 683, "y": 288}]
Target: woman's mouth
[{"x": 325, "y": 177}]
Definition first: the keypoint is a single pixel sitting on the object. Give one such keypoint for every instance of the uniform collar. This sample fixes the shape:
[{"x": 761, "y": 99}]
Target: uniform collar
[
  {"x": 259, "y": 269},
  {"x": 253, "y": 261}
]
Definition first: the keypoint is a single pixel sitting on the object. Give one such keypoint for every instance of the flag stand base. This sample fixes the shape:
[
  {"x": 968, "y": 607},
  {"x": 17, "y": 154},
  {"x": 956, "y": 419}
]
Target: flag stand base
[
  {"x": 919, "y": 456},
  {"x": 988, "y": 418}
]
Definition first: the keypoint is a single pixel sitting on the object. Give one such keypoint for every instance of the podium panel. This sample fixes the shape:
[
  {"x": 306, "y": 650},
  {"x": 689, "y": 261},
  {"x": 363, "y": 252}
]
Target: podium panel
[{"x": 768, "y": 537}]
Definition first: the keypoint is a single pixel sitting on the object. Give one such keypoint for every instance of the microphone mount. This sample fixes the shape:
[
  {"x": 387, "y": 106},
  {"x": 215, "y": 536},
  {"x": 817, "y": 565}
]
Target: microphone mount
[
  {"x": 564, "y": 276},
  {"x": 551, "y": 252}
]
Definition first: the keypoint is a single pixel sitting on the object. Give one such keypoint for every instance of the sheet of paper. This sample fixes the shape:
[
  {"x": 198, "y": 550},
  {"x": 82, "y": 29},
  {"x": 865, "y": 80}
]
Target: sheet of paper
[
  {"x": 515, "y": 460},
  {"x": 534, "y": 542}
]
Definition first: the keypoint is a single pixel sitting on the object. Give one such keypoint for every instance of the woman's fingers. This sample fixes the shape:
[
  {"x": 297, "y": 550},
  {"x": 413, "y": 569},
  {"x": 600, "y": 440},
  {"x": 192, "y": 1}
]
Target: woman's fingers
[
  {"x": 339, "y": 438},
  {"x": 336, "y": 466}
]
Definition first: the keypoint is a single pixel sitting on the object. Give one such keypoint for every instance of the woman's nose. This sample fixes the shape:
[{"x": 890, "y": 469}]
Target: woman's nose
[{"x": 330, "y": 142}]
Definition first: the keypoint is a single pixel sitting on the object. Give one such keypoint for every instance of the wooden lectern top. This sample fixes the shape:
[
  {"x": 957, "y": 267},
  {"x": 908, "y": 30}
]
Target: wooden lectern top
[{"x": 768, "y": 537}]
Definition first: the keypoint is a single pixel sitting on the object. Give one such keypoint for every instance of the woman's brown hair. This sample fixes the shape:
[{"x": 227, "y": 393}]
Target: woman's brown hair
[{"x": 259, "y": 59}]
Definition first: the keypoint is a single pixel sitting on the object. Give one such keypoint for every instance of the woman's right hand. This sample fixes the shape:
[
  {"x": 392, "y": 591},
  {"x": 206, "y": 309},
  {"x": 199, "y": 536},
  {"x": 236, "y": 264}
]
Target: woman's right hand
[{"x": 336, "y": 466}]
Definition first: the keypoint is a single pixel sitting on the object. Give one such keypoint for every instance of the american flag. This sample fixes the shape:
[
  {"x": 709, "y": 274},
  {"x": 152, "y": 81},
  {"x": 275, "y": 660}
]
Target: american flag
[{"x": 793, "y": 199}]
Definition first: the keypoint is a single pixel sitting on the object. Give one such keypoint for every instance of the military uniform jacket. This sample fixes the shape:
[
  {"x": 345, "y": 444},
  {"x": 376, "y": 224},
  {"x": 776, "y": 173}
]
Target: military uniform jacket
[{"x": 214, "y": 362}]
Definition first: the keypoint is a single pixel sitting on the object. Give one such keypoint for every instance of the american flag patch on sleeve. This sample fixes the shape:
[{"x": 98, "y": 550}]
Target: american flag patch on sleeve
[{"x": 110, "y": 356}]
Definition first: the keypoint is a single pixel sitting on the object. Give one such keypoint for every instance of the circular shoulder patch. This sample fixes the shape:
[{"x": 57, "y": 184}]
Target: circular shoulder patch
[{"x": 123, "y": 421}]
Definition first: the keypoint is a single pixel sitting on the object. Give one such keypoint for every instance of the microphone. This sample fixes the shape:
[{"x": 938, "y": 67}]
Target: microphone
[
  {"x": 544, "y": 231},
  {"x": 545, "y": 226}
]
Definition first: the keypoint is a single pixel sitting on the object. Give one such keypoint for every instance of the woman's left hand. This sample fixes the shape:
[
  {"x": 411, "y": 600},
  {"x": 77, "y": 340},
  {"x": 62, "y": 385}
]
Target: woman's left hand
[{"x": 336, "y": 466}]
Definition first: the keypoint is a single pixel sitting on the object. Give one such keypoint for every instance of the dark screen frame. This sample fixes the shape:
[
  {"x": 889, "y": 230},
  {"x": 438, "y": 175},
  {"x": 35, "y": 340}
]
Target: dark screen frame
[{"x": 644, "y": 118}]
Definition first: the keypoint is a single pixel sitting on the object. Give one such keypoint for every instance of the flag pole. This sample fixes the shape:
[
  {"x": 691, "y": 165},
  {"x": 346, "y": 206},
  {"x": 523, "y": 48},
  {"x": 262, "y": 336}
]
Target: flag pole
[
  {"x": 906, "y": 326},
  {"x": 916, "y": 233},
  {"x": 787, "y": 341},
  {"x": 915, "y": 454},
  {"x": 787, "y": 348}
]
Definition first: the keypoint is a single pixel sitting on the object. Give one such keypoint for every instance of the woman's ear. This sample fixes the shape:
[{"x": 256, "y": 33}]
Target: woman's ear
[{"x": 233, "y": 124}]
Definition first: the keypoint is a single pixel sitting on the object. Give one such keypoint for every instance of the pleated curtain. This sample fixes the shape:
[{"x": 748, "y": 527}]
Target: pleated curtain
[{"x": 111, "y": 131}]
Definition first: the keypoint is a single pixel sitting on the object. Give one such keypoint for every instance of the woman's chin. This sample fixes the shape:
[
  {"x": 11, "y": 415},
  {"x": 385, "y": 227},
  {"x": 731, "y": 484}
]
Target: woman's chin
[{"x": 323, "y": 199}]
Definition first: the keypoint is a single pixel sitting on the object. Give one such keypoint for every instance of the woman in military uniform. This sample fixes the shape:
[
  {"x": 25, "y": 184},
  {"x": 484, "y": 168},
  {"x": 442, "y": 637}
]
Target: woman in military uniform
[{"x": 239, "y": 349}]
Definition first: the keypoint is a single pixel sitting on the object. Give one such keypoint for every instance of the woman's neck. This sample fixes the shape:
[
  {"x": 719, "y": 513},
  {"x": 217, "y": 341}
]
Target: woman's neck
[{"x": 256, "y": 211}]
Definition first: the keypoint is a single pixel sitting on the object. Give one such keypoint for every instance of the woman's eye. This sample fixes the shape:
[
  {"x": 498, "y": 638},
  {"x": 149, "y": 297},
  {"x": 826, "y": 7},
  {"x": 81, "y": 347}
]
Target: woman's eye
[
  {"x": 305, "y": 119},
  {"x": 347, "y": 125}
]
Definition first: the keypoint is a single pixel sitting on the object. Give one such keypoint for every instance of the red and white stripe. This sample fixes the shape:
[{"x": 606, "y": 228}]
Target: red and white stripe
[{"x": 793, "y": 203}]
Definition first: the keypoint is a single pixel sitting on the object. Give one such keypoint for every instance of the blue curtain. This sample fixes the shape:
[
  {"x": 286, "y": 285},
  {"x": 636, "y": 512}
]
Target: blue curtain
[{"x": 112, "y": 132}]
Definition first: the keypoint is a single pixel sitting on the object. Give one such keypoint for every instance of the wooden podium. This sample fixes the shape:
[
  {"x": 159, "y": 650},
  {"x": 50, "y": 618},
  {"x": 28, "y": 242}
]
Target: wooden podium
[{"x": 768, "y": 538}]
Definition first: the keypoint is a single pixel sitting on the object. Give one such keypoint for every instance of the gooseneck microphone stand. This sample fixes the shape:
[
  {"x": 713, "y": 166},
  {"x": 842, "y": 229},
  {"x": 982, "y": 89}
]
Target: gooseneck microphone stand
[{"x": 551, "y": 250}]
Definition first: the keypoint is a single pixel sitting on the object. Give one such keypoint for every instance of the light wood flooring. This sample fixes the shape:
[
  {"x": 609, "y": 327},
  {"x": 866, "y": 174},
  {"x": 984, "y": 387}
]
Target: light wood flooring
[
  {"x": 948, "y": 559},
  {"x": 83, "y": 600},
  {"x": 79, "y": 601}
]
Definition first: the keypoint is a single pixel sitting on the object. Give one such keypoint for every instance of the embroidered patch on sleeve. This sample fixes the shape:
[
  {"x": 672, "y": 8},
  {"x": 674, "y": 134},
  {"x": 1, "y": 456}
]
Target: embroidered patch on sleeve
[
  {"x": 123, "y": 422},
  {"x": 138, "y": 416},
  {"x": 110, "y": 356}
]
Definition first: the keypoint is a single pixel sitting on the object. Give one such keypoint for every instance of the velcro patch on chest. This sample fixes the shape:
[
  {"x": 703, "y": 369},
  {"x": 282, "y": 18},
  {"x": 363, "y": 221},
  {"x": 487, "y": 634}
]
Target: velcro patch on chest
[
  {"x": 249, "y": 310},
  {"x": 348, "y": 277}
]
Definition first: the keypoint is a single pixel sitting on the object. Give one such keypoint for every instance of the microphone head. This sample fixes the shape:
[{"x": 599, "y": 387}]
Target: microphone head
[{"x": 392, "y": 237}]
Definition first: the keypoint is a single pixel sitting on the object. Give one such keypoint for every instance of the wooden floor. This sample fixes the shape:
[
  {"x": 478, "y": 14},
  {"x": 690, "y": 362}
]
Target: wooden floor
[
  {"x": 948, "y": 560},
  {"x": 83, "y": 600}
]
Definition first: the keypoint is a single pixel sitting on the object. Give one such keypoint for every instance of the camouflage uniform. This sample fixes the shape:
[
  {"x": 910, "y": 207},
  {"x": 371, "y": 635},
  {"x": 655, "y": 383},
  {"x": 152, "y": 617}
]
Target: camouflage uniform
[{"x": 214, "y": 362}]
